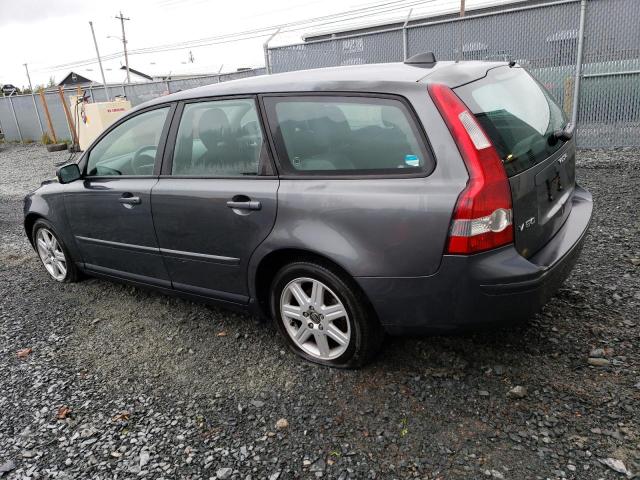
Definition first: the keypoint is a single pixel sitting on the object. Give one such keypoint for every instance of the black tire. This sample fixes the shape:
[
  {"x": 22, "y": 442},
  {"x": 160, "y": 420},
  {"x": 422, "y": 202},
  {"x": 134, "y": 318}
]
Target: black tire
[
  {"x": 366, "y": 334},
  {"x": 72, "y": 273},
  {"x": 56, "y": 147}
]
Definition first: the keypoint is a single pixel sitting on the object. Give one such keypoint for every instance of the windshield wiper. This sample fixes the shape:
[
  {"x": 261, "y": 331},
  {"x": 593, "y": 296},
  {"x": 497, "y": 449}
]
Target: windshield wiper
[{"x": 566, "y": 133}]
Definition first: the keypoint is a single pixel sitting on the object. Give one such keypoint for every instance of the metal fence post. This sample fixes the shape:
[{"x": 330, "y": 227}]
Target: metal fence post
[
  {"x": 15, "y": 119},
  {"x": 168, "y": 86},
  {"x": 265, "y": 48},
  {"x": 33, "y": 97},
  {"x": 578, "y": 75},
  {"x": 35, "y": 107},
  {"x": 405, "y": 37}
]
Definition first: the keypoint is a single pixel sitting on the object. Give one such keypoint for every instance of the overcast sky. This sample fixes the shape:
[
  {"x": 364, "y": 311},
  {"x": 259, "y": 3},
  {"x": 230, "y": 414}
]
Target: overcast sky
[{"x": 46, "y": 33}]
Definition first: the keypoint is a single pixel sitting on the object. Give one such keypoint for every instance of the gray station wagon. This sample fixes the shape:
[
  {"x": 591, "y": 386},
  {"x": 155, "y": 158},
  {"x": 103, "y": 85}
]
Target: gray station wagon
[{"x": 344, "y": 203}]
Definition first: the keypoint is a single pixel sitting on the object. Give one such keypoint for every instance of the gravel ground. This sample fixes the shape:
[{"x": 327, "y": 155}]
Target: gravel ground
[{"x": 125, "y": 383}]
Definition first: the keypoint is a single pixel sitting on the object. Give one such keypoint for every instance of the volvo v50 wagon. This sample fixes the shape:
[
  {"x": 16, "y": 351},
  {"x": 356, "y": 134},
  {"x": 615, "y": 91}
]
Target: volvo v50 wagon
[{"x": 344, "y": 203}]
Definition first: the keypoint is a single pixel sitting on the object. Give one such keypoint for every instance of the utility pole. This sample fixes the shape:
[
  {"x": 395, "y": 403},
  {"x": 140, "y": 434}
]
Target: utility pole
[
  {"x": 28, "y": 77},
  {"x": 124, "y": 43},
  {"x": 104, "y": 82}
]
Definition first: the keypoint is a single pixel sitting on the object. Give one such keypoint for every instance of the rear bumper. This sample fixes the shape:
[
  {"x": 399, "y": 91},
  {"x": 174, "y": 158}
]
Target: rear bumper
[{"x": 493, "y": 287}]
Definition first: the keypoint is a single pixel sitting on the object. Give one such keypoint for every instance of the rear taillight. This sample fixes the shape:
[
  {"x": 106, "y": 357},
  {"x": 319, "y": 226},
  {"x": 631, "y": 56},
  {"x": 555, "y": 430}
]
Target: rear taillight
[{"x": 482, "y": 219}]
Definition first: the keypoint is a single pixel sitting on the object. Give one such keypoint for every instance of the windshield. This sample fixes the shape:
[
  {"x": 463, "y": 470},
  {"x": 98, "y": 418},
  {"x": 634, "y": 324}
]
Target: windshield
[{"x": 518, "y": 115}]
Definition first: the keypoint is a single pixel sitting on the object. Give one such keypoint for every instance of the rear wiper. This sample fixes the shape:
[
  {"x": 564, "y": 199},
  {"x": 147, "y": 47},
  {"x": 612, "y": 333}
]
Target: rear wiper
[{"x": 566, "y": 133}]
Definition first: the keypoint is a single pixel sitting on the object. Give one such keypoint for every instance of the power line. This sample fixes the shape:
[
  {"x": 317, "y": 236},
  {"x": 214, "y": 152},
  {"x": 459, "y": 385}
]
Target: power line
[
  {"x": 262, "y": 31},
  {"x": 245, "y": 35},
  {"x": 161, "y": 49},
  {"x": 340, "y": 17},
  {"x": 361, "y": 12}
]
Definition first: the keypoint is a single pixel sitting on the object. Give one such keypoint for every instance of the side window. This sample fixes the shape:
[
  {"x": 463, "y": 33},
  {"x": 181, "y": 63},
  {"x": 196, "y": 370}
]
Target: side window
[
  {"x": 130, "y": 148},
  {"x": 218, "y": 138},
  {"x": 345, "y": 135}
]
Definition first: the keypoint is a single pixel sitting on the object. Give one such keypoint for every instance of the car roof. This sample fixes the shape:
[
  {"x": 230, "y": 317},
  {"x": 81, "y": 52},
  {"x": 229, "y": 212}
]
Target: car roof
[{"x": 379, "y": 77}]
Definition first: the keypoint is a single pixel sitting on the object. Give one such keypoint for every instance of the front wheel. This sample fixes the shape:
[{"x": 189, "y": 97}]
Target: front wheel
[
  {"x": 53, "y": 253},
  {"x": 324, "y": 317}
]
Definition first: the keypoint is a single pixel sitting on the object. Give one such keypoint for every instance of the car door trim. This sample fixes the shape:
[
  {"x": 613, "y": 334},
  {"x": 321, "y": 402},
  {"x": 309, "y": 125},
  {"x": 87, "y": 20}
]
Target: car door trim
[
  {"x": 200, "y": 256},
  {"x": 165, "y": 251},
  {"x": 109, "y": 243}
]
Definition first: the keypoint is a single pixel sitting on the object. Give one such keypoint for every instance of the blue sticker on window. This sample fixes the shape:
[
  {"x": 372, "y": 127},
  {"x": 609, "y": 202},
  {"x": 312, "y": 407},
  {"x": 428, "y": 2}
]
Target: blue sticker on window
[{"x": 412, "y": 160}]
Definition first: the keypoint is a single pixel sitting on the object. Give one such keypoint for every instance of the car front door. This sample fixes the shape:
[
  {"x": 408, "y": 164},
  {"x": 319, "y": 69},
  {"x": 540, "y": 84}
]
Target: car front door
[
  {"x": 215, "y": 201},
  {"x": 109, "y": 209}
]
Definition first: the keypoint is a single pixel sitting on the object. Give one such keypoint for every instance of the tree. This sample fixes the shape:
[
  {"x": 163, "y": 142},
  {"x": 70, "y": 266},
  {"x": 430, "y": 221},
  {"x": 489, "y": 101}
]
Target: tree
[{"x": 52, "y": 82}]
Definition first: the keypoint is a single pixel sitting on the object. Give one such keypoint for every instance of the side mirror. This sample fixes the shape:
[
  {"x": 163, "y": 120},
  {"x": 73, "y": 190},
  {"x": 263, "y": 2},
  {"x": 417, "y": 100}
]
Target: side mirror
[{"x": 68, "y": 173}]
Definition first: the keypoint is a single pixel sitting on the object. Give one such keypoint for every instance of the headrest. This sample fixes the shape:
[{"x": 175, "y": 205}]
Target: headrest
[
  {"x": 212, "y": 127},
  {"x": 392, "y": 117}
]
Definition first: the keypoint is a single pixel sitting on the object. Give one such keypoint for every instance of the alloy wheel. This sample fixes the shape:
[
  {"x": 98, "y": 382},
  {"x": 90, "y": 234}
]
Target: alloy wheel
[
  {"x": 51, "y": 254},
  {"x": 315, "y": 318}
]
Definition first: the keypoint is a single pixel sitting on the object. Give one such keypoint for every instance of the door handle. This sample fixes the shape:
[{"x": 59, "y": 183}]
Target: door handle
[
  {"x": 130, "y": 200},
  {"x": 247, "y": 205}
]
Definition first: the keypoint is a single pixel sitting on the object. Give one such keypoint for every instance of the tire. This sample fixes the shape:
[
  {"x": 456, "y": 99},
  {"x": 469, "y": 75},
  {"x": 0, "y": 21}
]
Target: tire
[
  {"x": 53, "y": 250},
  {"x": 341, "y": 314},
  {"x": 56, "y": 147}
]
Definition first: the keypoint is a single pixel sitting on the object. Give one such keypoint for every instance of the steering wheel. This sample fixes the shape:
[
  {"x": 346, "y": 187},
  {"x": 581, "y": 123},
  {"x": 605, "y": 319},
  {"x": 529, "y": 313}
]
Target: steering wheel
[{"x": 141, "y": 163}]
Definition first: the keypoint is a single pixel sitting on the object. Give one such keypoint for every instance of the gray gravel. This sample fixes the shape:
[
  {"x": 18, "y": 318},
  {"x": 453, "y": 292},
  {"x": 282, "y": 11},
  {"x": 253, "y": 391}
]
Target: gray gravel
[{"x": 125, "y": 383}]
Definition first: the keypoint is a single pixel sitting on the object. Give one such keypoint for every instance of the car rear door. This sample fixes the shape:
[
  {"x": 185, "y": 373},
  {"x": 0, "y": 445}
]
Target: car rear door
[
  {"x": 521, "y": 119},
  {"x": 359, "y": 183},
  {"x": 215, "y": 201},
  {"x": 109, "y": 208}
]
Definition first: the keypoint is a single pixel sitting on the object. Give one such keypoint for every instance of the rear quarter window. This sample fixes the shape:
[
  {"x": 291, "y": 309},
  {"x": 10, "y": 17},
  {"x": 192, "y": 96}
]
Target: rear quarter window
[{"x": 346, "y": 135}]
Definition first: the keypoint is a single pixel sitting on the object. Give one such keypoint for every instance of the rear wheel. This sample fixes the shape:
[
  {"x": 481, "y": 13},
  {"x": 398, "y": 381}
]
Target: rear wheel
[
  {"x": 324, "y": 317},
  {"x": 53, "y": 253}
]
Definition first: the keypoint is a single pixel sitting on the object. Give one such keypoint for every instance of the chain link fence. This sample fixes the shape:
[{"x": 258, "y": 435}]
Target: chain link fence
[
  {"x": 543, "y": 37},
  {"x": 23, "y": 119}
]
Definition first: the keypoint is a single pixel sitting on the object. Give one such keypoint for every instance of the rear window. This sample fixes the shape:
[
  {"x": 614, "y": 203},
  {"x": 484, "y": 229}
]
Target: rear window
[
  {"x": 345, "y": 135},
  {"x": 518, "y": 115}
]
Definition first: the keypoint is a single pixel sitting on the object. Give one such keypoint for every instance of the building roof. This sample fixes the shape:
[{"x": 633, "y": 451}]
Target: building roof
[
  {"x": 74, "y": 78},
  {"x": 137, "y": 72}
]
